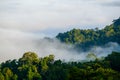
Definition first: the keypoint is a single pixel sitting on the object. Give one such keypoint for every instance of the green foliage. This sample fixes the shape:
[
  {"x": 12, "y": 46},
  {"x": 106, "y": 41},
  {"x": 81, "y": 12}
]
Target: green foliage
[
  {"x": 1, "y": 76},
  {"x": 45, "y": 61},
  {"x": 84, "y": 39},
  {"x": 15, "y": 77},
  {"x": 8, "y": 74},
  {"x": 33, "y": 74},
  {"x": 114, "y": 60},
  {"x": 49, "y": 69},
  {"x": 91, "y": 56},
  {"x": 29, "y": 58}
]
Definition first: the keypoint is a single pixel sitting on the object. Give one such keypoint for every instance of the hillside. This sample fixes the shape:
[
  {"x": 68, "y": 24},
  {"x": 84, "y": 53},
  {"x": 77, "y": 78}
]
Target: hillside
[{"x": 84, "y": 39}]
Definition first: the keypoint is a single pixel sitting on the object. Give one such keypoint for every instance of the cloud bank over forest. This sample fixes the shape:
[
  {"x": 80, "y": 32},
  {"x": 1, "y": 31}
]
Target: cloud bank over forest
[
  {"x": 23, "y": 24},
  {"x": 15, "y": 43}
]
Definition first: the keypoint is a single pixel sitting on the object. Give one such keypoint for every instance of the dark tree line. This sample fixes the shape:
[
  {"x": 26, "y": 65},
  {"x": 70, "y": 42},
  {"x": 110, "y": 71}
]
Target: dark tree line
[
  {"x": 85, "y": 39},
  {"x": 31, "y": 67}
]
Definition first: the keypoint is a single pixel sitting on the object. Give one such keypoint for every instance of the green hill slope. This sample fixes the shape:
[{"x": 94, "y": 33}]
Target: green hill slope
[{"x": 92, "y": 37}]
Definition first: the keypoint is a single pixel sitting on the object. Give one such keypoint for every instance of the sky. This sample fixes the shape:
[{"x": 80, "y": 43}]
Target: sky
[
  {"x": 24, "y": 22},
  {"x": 53, "y": 16}
]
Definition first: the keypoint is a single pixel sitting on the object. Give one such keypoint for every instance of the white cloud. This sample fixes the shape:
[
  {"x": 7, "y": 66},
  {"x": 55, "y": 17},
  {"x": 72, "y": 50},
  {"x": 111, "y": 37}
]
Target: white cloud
[
  {"x": 14, "y": 43},
  {"x": 30, "y": 15},
  {"x": 20, "y": 18}
]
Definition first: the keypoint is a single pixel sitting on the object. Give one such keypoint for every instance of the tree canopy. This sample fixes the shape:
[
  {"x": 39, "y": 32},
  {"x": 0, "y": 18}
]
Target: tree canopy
[
  {"x": 31, "y": 67},
  {"x": 85, "y": 39}
]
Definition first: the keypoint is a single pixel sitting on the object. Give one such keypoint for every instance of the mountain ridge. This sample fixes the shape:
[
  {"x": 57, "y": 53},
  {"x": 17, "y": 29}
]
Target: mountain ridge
[{"x": 87, "y": 38}]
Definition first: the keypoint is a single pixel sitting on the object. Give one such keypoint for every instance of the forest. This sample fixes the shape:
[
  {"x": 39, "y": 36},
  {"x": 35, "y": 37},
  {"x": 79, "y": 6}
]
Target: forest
[
  {"x": 32, "y": 67},
  {"x": 85, "y": 39}
]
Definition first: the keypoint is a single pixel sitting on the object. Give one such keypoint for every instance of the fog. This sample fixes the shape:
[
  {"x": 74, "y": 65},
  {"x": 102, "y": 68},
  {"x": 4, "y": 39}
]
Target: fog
[{"x": 14, "y": 43}]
